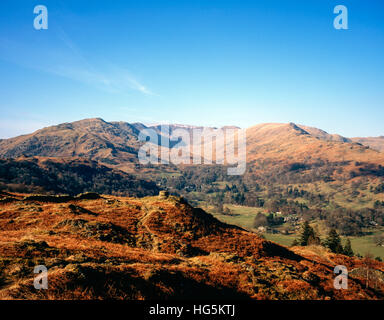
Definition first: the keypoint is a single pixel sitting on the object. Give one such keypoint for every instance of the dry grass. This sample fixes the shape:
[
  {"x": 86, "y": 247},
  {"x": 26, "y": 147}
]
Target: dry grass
[{"x": 152, "y": 248}]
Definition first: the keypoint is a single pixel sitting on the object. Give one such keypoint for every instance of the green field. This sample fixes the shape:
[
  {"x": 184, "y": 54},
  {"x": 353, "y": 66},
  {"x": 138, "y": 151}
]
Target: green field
[
  {"x": 241, "y": 216},
  {"x": 280, "y": 238},
  {"x": 365, "y": 244}
]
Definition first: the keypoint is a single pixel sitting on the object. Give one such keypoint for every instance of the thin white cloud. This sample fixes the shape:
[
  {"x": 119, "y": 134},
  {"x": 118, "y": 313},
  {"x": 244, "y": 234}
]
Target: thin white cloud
[
  {"x": 138, "y": 86},
  {"x": 107, "y": 81},
  {"x": 114, "y": 79},
  {"x": 65, "y": 59}
]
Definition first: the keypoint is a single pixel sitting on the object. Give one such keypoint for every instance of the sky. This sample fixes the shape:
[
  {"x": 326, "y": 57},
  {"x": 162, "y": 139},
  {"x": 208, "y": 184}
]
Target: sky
[{"x": 198, "y": 62}]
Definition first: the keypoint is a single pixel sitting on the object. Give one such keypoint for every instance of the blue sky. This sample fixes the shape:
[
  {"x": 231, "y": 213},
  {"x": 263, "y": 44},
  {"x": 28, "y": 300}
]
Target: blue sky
[{"x": 211, "y": 62}]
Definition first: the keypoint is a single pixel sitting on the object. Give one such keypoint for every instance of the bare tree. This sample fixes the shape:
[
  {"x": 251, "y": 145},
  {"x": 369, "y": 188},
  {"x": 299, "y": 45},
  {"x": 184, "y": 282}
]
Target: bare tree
[
  {"x": 368, "y": 266},
  {"x": 379, "y": 239}
]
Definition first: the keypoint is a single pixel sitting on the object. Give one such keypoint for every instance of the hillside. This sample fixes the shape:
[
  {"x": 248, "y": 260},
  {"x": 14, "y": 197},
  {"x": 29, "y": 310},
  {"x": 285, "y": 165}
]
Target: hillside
[
  {"x": 376, "y": 143},
  {"x": 69, "y": 176},
  {"x": 94, "y": 139},
  {"x": 158, "y": 248},
  {"x": 323, "y": 135},
  {"x": 288, "y": 154},
  {"x": 290, "y": 142}
]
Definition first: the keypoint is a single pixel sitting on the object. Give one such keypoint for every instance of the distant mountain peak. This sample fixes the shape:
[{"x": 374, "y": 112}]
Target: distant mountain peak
[
  {"x": 117, "y": 144},
  {"x": 323, "y": 135},
  {"x": 297, "y": 128}
]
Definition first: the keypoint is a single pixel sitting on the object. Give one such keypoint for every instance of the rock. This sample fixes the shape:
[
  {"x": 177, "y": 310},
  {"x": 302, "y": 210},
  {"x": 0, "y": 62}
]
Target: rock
[
  {"x": 163, "y": 194},
  {"x": 88, "y": 196},
  {"x": 79, "y": 210}
]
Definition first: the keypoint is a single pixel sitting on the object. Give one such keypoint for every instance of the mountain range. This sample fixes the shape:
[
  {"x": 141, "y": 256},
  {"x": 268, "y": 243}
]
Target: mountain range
[{"x": 116, "y": 143}]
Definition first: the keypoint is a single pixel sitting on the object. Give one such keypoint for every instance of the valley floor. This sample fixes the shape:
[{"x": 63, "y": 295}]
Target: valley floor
[{"x": 243, "y": 217}]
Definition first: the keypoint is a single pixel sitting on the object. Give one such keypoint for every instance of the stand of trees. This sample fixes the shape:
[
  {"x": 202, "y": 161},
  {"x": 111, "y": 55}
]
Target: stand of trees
[
  {"x": 70, "y": 177},
  {"x": 308, "y": 237}
]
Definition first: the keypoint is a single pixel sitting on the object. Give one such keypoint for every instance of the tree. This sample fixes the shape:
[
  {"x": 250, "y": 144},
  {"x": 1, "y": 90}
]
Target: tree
[
  {"x": 368, "y": 264},
  {"x": 348, "y": 249},
  {"x": 313, "y": 240},
  {"x": 270, "y": 219},
  {"x": 260, "y": 220},
  {"x": 227, "y": 211},
  {"x": 379, "y": 239},
  {"x": 333, "y": 242},
  {"x": 220, "y": 207},
  {"x": 308, "y": 235}
]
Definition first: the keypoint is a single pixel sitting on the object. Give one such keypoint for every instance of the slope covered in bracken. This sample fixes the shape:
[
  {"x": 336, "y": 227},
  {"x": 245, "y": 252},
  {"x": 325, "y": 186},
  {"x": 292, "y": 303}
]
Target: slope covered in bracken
[
  {"x": 291, "y": 142},
  {"x": 95, "y": 139},
  {"x": 284, "y": 154},
  {"x": 157, "y": 248},
  {"x": 376, "y": 143}
]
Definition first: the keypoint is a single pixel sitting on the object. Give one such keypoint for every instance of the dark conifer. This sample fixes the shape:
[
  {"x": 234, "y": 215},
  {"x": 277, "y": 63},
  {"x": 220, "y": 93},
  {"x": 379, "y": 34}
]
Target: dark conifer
[
  {"x": 348, "y": 249},
  {"x": 333, "y": 242}
]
